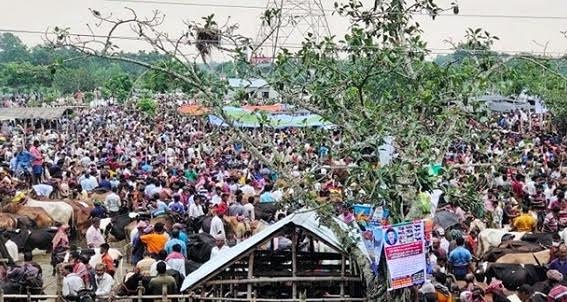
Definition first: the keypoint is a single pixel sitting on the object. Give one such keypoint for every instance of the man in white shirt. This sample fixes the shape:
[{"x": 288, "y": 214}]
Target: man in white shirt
[
  {"x": 112, "y": 202},
  {"x": 247, "y": 189},
  {"x": 217, "y": 225},
  {"x": 104, "y": 283},
  {"x": 196, "y": 208},
  {"x": 220, "y": 246},
  {"x": 94, "y": 237},
  {"x": 72, "y": 283}
]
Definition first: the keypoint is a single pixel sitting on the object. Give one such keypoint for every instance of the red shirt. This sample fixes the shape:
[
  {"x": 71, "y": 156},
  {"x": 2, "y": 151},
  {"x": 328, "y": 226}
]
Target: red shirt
[{"x": 108, "y": 262}]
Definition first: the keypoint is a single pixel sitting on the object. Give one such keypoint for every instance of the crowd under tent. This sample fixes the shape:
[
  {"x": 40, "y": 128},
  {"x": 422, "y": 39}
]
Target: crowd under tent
[{"x": 253, "y": 271}]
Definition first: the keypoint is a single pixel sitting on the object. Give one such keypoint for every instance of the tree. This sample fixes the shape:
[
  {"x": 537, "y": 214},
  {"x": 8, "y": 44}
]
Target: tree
[
  {"x": 12, "y": 49},
  {"x": 69, "y": 81},
  {"x": 147, "y": 105},
  {"x": 25, "y": 75},
  {"x": 118, "y": 86}
]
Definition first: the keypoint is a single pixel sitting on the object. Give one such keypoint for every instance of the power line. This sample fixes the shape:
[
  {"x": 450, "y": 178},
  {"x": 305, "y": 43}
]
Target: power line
[
  {"x": 299, "y": 46},
  {"x": 493, "y": 16}
]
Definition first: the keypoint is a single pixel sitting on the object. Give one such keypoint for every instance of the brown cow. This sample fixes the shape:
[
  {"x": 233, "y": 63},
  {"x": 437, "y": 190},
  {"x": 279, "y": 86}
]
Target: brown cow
[
  {"x": 536, "y": 258},
  {"x": 82, "y": 212},
  {"x": 37, "y": 214},
  {"x": 8, "y": 221}
]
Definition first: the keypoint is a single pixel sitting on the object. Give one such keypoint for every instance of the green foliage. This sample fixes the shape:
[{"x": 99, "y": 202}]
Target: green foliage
[
  {"x": 118, "y": 86},
  {"x": 147, "y": 105},
  {"x": 12, "y": 49},
  {"x": 24, "y": 75},
  {"x": 69, "y": 81}
]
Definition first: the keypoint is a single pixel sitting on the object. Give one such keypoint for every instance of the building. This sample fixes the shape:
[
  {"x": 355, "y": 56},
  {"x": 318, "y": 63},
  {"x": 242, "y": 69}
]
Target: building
[
  {"x": 255, "y": 89},
  {"x": 313, "y": 265}
]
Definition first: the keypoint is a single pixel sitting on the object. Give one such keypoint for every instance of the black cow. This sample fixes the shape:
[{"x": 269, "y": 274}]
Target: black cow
[
  {"x": 511, "y": 247},
  {"x": 200, "y": 246},
  {"x": 265, "y": 211},
  {"x": 117, "y": 225},
  {"x": 511, "y": 275},
  {"x": 28, "y": 240},
  {"x": 201, "y": 222},
  {"x": 545, "y": 239}
]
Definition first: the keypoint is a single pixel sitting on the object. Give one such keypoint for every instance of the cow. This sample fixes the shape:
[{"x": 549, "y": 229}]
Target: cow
[
  {"x": 511, "y": 247},
  {"x": 8, "y": 221},
  {"x": 37, "y": 214},
  {"x": 28, "y": 240},
  {"x": 60, "y": 211},
  {"x": 539, "y": 238},
  {"x": 200, "y": 246},
  {"x": 488, "y": 238},
  {"x": 537, "y": 258},
  {"x": 115, "y": 227},
  {"x": 81, "y": 212},
  {"x": 511, "y": 275}
]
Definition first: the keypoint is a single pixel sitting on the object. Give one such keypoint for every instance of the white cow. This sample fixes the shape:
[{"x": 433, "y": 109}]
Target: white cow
[
  {"x": 488, "y": 238},
  {"x": 58, "y": 210}
]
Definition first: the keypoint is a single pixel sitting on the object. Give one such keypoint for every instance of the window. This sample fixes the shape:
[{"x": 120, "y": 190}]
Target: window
[{"x": 265, "y": 94}]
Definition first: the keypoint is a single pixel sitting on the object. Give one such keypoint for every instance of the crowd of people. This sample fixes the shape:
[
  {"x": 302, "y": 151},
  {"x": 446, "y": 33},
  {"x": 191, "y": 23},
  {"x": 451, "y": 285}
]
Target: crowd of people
[{"x": 185, "y": 168}]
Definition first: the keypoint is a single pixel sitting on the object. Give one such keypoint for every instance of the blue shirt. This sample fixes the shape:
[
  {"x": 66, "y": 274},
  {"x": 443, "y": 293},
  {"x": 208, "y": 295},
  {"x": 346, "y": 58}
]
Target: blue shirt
[
  {"x": 560, "y": 265},
  {"x": 173, "y": 241},
  {"x": 460, "y": 256},
  {"x": 23, "y": 160},
  {"x": 267, "y": 197},
  {"x": 105, "y": 184},
  {"x": 183, "y": 237}
]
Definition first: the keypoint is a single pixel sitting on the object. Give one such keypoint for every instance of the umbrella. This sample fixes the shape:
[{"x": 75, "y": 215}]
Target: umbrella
[{"x": 445, "y": 219}]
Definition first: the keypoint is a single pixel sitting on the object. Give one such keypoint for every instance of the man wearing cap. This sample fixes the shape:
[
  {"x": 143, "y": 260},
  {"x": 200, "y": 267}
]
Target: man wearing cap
[
  {"x": 93, "y": 236},
  {"x": 217, "y": 225},
  {"x": 558, "y": 291},
  {"x": 220, "y": 246}
]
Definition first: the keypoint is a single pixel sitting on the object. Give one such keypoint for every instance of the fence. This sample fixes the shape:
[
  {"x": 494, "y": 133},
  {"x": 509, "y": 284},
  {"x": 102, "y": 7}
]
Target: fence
[{"x": 165, "y": 297}]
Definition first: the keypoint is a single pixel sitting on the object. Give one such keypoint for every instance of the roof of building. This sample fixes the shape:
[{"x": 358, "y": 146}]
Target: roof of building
[
  {"x": 306, "y": 219},
  {"x": 250, "y": 83},
  {"x": 40, "y": 113}
]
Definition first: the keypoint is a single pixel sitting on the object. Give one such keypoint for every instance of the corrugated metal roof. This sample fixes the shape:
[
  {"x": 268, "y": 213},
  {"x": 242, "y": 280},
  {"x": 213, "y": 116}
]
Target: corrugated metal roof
[
  {"x": 307, "y": 220},
  {"x": 251, "y": 83},
  {"x": 47, "y": 113}
]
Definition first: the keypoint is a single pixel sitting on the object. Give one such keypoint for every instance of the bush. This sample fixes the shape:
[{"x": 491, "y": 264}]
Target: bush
[{"x": 147, "y": 105}]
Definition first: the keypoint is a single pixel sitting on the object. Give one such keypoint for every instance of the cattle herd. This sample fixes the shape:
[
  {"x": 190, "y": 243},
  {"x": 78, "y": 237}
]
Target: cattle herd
[{"x": 133, "y": 174}]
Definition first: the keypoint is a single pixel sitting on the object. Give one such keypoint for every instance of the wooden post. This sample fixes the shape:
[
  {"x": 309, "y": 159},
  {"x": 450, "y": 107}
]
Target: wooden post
[
  {"x": 59, "y": 289},
  {"x": 1, "y": 295},
  {"x": 343, "y": 260},
  {"x": 164, "y": 293},
  {"x": 250, "y": 275},
  {"x": 294, "y": 264},
  {"x": 140, "y": 289}
]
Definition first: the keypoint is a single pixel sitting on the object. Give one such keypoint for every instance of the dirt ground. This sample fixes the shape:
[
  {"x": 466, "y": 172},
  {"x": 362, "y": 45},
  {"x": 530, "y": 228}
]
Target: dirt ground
[{"x": 50, "y": 282}]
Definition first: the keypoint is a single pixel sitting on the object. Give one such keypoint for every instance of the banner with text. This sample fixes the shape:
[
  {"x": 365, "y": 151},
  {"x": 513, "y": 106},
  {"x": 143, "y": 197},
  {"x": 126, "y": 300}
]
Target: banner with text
[{"x": 404, "y": 248}]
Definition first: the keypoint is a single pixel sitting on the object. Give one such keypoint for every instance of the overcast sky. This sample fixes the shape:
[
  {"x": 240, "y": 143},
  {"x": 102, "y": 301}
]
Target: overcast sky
[{"x": 516, "y": 33}]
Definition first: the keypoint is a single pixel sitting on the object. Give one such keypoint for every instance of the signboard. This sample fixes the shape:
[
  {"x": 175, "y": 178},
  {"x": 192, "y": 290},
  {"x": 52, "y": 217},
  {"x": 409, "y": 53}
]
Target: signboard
[{"x": 404, "y": 248}]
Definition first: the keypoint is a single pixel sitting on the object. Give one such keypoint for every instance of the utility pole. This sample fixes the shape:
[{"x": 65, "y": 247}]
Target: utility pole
[{"x": 296, "y": 19}]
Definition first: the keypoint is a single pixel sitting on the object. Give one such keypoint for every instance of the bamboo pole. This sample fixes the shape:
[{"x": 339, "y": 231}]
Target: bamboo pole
[
  {"x": 343, "y": 260},
  {"x": 294, "y": 264},
  {"x": 282, "y": 279},
  {"x": 250, "y": 275}
]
